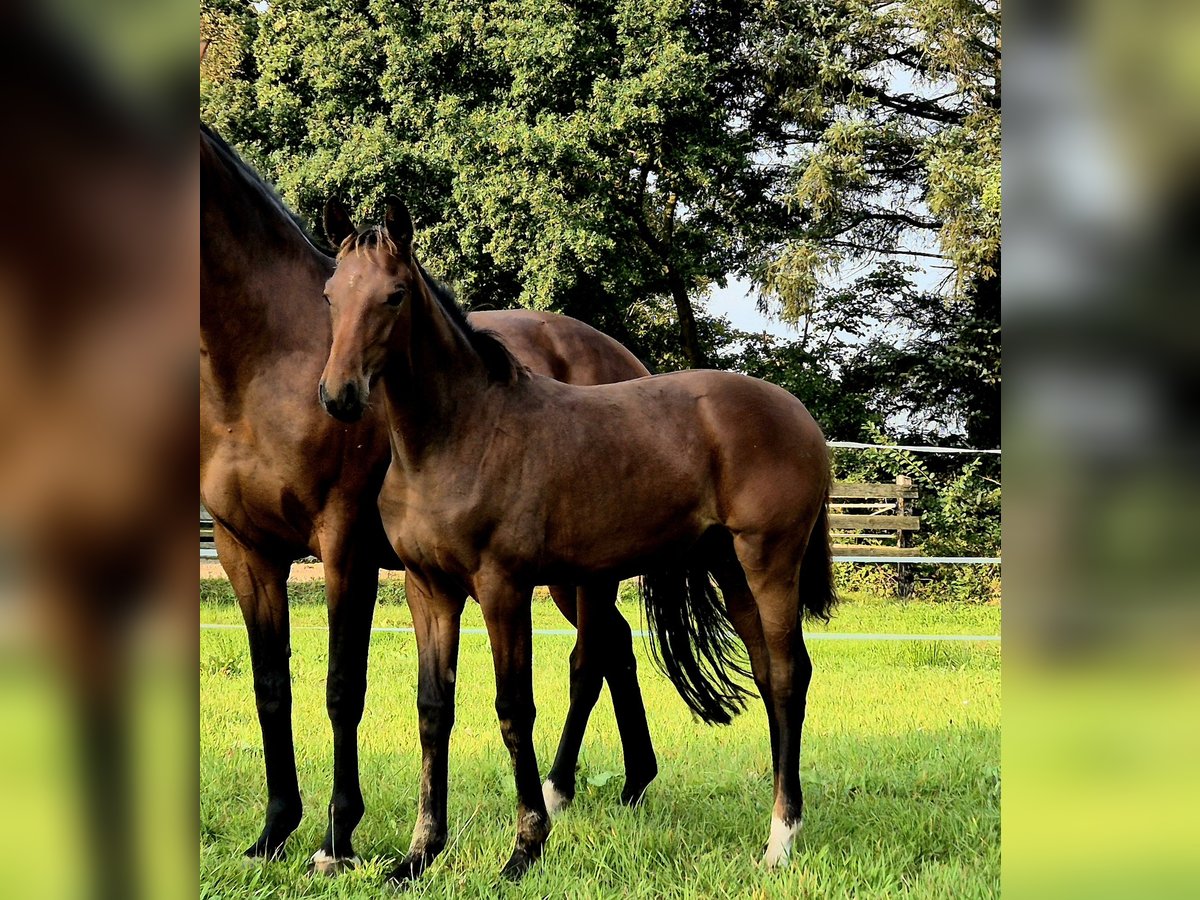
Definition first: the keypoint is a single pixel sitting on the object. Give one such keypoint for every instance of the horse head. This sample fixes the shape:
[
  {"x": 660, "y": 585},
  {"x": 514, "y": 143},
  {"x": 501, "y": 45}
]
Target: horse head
[{"x": 375, "y": 273}]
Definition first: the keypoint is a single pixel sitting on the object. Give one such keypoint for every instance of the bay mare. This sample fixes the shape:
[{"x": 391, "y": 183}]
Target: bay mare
[
  {"x": 683, "y": 476},
  {"x": 283, "y": 480}
]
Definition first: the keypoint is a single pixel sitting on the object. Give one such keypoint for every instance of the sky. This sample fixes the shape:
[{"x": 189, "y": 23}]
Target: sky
[{"x": 739, "y": 304}]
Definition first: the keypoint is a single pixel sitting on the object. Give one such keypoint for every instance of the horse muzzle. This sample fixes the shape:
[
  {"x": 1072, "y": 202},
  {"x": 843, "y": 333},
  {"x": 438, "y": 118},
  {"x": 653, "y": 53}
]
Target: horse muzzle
[{"x": 347, "y": 406}]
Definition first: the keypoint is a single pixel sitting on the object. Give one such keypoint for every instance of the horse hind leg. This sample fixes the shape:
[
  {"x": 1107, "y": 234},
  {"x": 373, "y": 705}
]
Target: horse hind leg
[
  {"x": 558, "y": 790},
  {"x": 641, "y": 765},
  {"x": 773, "y": 579},
  {"x": 743, "y": 613},
  {"x": 603, "y": 650}
]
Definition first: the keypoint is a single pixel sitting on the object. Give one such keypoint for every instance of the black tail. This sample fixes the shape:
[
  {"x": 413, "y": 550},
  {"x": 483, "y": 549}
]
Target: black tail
[
  {"x": 693, "y": 641},
  {"x": 817, "y": 594}
]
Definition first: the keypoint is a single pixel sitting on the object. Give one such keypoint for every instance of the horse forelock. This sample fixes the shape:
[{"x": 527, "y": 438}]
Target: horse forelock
[{"x": 372, "y": 237}]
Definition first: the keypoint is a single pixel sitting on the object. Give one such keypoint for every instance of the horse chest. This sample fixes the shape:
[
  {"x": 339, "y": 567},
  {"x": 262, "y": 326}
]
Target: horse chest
[{"x": 427, "y": 529}]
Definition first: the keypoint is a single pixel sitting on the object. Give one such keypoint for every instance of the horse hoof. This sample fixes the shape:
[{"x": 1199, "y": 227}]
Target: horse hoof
[
  {"x": 775, "y": 858},
  {"x": 635, "y": 789},
  {"x": 518, "y": 864},
  {"x": 261, "y": 850},
  {"x": 409, "y": 870},
  {"x": 556, "y": 800},
  {"x": 323, "y": 863}
]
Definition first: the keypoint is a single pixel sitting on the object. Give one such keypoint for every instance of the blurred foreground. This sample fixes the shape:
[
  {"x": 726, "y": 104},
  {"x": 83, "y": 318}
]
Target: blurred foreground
[
  {"x": 98, "y": 314},
  {"x": 1102, "y": 340}
]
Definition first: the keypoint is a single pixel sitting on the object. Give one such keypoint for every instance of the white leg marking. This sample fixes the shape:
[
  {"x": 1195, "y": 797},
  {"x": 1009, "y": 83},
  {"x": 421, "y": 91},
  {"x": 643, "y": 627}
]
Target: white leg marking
[
  {"x": 324, "y": 864},
  {"x": 779, "y": 845},
  {"x": 556, "y": 800}
]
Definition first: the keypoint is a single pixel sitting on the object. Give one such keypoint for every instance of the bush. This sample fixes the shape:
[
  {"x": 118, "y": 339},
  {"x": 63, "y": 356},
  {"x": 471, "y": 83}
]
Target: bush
[{"x": 960, "y": 508}]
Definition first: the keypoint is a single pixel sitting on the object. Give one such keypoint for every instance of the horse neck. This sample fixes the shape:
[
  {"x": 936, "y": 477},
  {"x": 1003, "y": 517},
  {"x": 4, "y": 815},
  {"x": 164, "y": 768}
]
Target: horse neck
[
  {"x": 261, "y": 278},
  {"x": 435, "y": 381}
]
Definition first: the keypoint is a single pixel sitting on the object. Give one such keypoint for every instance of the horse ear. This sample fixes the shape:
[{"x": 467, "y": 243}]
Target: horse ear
[
  {"x": 338, "y": 224},
  {"x": 399, "y": 223}
]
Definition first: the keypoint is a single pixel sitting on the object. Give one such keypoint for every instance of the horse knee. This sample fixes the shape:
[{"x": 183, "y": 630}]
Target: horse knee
[
  {"x": 344, "y": 702},
  {"x": 272, "y": 695},
  {"x": 516, "y": 720}
]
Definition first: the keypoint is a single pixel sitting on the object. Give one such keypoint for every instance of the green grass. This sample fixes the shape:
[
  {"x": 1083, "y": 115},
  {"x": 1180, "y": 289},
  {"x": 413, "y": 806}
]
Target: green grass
[{"x": 901, "y": 770}]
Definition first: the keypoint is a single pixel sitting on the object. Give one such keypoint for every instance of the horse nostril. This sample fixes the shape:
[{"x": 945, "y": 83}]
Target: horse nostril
[
  {"x": 323, "y": 395},
  {"x": 349, "y": 399}
]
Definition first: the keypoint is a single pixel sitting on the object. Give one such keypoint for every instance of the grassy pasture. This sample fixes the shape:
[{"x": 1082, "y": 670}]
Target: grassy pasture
[{"x": 900, "y": 767}]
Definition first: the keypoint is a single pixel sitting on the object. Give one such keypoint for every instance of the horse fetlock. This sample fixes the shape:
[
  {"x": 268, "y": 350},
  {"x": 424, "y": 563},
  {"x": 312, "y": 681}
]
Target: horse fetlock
[
  {"x": 346, "y": 809},
  {"x": 557, "y": 799},
  {"x": 533, "y": 827}
]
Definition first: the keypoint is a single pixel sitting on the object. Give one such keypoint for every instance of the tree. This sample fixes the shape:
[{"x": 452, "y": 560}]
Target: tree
[
  {"x": 890, "y": 116},
  {"x": 581, "y": 157},
  {"x": 615, "y": 160}
]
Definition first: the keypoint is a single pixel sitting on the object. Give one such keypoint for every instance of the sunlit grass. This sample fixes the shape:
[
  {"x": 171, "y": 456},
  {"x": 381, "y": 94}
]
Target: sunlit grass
[{"x": 901, "y": 770}]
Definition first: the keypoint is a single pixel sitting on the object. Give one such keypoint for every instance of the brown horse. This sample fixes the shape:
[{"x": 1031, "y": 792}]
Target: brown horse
[
  {"x": 282, "y": 480},
  {"x": 682, "y": 475}
]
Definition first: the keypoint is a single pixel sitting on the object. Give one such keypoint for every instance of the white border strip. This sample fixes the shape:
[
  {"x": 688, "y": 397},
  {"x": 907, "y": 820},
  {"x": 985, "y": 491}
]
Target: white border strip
[
  {"x": 855, "y": 445},
  {"x": 958, "y": 560},
  {"x": 570, "y": 632}
]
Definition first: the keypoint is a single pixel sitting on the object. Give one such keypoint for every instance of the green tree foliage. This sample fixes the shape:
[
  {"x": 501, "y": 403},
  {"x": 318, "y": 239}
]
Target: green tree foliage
[
  {"x": 891, "y": 118},
  {"x": 615, "y": 160},
  {"x": 578, "y": 156}
]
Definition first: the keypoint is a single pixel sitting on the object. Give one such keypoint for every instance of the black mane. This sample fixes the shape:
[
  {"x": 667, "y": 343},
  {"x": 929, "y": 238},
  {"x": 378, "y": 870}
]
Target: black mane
[
  {"x": 255, "y": 183},
  {"x": 498, "y": 360}
]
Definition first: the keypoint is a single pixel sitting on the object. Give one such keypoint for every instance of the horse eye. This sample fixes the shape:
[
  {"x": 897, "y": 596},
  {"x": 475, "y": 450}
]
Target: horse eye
[{"x": 396, "y": 298}]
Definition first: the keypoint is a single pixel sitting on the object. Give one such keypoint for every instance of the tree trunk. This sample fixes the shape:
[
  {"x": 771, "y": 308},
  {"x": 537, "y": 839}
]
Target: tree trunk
[{"x": 687, "y": 321}]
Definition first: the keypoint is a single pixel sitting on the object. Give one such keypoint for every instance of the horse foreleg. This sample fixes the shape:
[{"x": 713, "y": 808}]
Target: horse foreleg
[
  {"x": 436, "y": 621},
  {"x": 510, "y": 629},
  {"x": 351, "y": 584},
  {"x": 261, "y": 588}
]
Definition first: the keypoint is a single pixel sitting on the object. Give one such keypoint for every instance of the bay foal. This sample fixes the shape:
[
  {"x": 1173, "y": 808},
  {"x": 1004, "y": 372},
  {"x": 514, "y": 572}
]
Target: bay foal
[{"x": 501, "y": 480}]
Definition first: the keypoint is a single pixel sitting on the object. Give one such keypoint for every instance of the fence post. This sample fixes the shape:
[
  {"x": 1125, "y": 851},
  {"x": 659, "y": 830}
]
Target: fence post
[{"x": 903, "y": 572}]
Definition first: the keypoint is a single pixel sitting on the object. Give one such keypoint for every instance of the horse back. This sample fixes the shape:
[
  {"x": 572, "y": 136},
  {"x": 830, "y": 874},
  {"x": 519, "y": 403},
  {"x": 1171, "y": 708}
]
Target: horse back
[{"x": 561, "y": 347}]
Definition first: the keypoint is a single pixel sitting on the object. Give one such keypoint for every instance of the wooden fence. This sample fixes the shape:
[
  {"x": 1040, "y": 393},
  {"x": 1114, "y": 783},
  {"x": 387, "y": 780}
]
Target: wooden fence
[
  {"x": 865, "y": 520},
  {"x": 873, "y": 519}
]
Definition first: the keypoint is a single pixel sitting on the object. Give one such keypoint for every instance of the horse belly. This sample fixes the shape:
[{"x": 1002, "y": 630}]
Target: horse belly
[{"x": 620, "y": 535}]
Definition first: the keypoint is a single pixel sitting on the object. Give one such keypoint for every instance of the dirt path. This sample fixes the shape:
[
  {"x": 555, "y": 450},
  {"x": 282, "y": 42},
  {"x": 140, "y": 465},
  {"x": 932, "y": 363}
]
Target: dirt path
[{"x": 300, "y": 571}]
